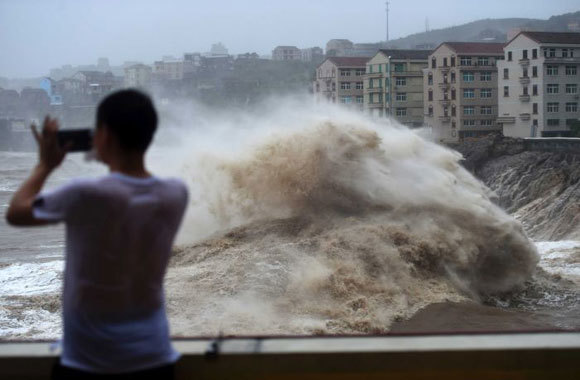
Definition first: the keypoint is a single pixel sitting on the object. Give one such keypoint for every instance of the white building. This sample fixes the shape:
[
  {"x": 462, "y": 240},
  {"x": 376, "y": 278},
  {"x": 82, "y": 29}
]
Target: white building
[
  {"x": 539, "y": 84},
  {"x": 138, "y": 76}
]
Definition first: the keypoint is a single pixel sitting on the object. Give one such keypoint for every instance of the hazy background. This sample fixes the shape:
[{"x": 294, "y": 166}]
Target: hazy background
[{"x": 36, "y": 35}]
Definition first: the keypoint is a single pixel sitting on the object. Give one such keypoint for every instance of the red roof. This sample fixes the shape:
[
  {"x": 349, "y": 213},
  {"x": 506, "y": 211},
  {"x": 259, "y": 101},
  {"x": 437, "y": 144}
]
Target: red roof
[
  {"x": 554, "y": 37},
  {"x": 349, "y": 61},
  {"x": 476, "y": 47}
]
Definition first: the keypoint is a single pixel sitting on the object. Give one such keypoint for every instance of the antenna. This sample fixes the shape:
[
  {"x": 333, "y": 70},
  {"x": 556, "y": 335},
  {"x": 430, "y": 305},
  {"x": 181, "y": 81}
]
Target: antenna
[{"x": 387, "y": 8}]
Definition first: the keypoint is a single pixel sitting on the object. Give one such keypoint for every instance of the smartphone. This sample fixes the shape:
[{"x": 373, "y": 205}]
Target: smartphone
[{"x": 77, "y": 140}]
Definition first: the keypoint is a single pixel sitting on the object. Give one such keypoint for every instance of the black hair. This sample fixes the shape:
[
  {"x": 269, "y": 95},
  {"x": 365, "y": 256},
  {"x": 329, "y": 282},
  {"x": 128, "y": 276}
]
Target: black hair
[{"x": 131, "y": 117}]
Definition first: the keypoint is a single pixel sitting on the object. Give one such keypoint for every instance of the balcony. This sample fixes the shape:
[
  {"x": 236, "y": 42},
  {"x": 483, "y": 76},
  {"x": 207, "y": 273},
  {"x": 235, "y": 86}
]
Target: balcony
[
  {"x": 445, "y": 102},
  {"x": 524, "y": 98},
  {"x": 407, "y": 73},
  {"x": 374, "y": 75},
  {"x": 525, "y": 116},
  {"x": 573, "y": 60},
  {"x": 377, "y": 90},
  {"x": 524, "y": 62},
  {"x": 445, "y": 69},
  {"x": 525, "y": 80},
  {"x": 445, "y": 119},
  {"x": 506, "y": 119},
  {"x": 444, "y": 85}
]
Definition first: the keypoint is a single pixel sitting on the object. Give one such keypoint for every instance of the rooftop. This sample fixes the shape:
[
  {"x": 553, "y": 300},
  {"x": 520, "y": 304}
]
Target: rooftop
[
  {"x": 406, "y": 54},
  {"x": 476, "y": 47},
  {"x": 553, "y": 37},
  {"x": 349, "y": 61}
]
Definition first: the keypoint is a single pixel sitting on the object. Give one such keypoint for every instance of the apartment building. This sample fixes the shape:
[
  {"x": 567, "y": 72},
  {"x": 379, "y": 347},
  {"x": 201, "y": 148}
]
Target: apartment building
[
  {"x": 460, "y": 90},
  {"x": 393, "y": 85},
  {"x": 341, "y": 80},
  {"x": 138, "y": 75},
  {"x": 286, "y": 53},
  {"x": 539, "y": 84}
]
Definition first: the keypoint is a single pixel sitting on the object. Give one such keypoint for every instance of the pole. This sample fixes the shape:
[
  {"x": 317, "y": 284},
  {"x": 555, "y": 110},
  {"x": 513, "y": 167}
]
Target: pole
[{"x": 387, "y": 6}]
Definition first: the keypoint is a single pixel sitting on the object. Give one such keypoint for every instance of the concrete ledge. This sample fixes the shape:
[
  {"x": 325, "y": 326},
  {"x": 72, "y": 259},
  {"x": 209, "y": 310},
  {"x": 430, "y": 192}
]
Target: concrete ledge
[{"x": 459, "y": 356}]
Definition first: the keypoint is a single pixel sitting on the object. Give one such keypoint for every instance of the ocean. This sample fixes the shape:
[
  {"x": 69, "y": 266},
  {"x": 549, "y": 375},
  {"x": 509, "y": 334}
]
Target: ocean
[{"x": 338, "y": 226}]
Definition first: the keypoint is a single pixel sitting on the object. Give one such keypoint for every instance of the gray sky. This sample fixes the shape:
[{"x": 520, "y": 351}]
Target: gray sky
[{"x": 36, "y": 35}]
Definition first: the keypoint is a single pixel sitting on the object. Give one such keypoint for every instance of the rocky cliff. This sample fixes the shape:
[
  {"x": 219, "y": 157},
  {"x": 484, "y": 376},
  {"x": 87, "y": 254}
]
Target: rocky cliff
[{"x": 541, "y": 189}]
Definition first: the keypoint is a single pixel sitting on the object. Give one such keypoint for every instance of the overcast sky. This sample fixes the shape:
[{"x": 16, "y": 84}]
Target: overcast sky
[{"x": 36, "y": 35}]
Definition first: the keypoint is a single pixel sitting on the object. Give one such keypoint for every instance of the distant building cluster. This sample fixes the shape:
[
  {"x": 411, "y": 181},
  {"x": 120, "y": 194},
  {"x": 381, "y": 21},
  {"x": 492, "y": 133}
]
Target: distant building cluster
[{"x": 527, "y": 87}]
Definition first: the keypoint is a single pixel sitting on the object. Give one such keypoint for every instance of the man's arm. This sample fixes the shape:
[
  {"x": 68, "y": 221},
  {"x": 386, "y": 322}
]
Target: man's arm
[{"x": 51, "y": 155}]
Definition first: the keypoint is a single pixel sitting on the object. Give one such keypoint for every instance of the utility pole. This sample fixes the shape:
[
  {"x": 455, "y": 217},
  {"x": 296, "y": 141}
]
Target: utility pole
[{"x": 387, "y": 6}]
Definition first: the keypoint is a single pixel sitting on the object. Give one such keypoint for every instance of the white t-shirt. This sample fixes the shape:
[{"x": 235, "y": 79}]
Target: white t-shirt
[{"x": 119, "y": 234}]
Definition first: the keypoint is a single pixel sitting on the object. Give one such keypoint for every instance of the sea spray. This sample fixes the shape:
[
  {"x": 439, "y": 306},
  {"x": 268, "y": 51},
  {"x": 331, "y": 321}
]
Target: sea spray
[{"x": 328, "y": 222}]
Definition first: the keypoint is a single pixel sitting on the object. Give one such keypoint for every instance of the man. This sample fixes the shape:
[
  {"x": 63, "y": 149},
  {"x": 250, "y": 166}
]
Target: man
[{"x": 119, "y": 232}]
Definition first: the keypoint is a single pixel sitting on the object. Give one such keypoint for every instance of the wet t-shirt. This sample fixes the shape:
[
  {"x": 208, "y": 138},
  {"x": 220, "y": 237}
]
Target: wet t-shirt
[{"x": 119, "y": 234}]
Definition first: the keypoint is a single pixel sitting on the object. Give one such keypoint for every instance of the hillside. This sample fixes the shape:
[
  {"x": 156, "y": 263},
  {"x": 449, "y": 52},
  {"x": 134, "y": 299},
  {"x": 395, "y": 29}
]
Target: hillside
[{"x": 488, "y": 29}]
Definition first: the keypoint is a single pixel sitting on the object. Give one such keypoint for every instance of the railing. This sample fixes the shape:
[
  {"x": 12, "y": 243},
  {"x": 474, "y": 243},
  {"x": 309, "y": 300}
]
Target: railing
[
  {"x": 525, "y": 98},
  {"x": 525, "y": 80},
  {"x": 407, "y": 73}
]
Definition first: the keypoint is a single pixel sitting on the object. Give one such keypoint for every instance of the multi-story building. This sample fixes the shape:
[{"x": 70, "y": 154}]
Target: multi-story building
[
  {"x": 341, "y": 80},
  {"x": 138, "y": 76},
  {"x": 539, "y": 84},
  {"x": 338, "y": 47},
  {"x": 313, "y": 54},
  {"x": 286, "y": 53},
  {"x": 460, "y": 90},
  {"x": 393, "y": 85}
]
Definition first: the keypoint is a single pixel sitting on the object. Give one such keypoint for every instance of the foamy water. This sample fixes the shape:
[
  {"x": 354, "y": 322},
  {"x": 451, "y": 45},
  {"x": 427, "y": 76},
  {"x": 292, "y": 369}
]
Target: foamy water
[{"x": 317, "y": 222}]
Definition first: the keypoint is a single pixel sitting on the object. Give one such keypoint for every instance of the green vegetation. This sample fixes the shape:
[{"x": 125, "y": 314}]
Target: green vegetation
[{"x": 574, "y": 128}]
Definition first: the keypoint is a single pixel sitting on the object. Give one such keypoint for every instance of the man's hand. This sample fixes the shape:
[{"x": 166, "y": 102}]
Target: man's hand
[{"x": 50, "y": 154}]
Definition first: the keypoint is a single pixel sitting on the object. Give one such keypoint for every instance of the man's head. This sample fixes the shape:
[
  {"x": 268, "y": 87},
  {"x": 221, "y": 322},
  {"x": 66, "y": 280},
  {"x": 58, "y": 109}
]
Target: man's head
[{"x": 126, "y": 124}]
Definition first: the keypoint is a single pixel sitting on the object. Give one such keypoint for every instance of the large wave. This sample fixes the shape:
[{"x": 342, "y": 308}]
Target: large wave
[{"x": 336, "y": 224}]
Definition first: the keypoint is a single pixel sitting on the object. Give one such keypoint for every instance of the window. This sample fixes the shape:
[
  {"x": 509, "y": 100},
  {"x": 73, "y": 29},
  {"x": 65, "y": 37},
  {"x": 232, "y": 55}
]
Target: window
[
  {"x": 360, "y": 99},
  {"x": 525, "y": 90},
  {"x": 571, "y": 121},
  {"x": 401, "y": 81},
  {"x": 400, "y": 67},
  {"x": 370, "y": 69},
  {"x": 468, "y": 77},
  {"x": 553, "y": 122},
  {"x": 430, "y": 79},
  {"x": 445, "y": 111},
  {"x": 509, "y": 56},
  {"x": 401, "y": 97},
  {"x": 371, "y": 82},
  {"x": 572, "y": 88},
  {"x": 506, "y": 91},
  {"x": 380, "y": 68},
  {"x": 430, "y": 112},
  {"x": 371, "y": 98},
  {"x": 534, "y": 53},
  {"x": 535, "y": 108},
  {"x": 572, "y": 107},
  {"x": 487, "y": 123},
  {"x": 551, "y": 70},
  {"x": 433, "y": 63},
  {"x": 465, "y": 61},
  {"x": 452, "y": 77},
  {"x": 345, "y": 85},
  {"x": 485, "y": 93},
  {"x": 553, "y": 89},
  {"x": 359, "y": 85},
  {"x": 452, "y": 61},
  {"x": 469, "y": 110},
  {"x": 524, "y": 54},
  {"x": 453, "y": 111},
  {"x": 535, "y": 71},
  {"x": 535, "y": 90},
  {"x": 445, "y": 62},
  {"x": 506, "y": 73},
  {"x": 486, "y": 110},
  {"x": 469, "y": 123},
  {"x": 485, "y": 76},
  {"x": 345, "y": 99},
  {"x": 401, "y": 112},
  {"x": 525, "y": 73},
  {"x": 430, "y": 95},
  {"x": 468, "y": 93},
  {"x": 453, "y": 94},
  {"x": 564, "y": 53},
  {"x": 553, "y": 107},
  {"x": 359, "y": 72},
  {"x": 344, "y": 73},
  {"x": 571, "y": 70},
  {"x": 483, "y": 61},
  {"x": 444, "y": 78},
  {"x": 552, "y": 53}
]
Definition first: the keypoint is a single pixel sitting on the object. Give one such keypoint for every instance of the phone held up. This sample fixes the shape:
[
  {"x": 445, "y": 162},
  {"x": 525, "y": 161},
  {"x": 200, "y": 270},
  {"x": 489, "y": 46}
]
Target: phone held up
[{"x": 76, "y": 140}]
